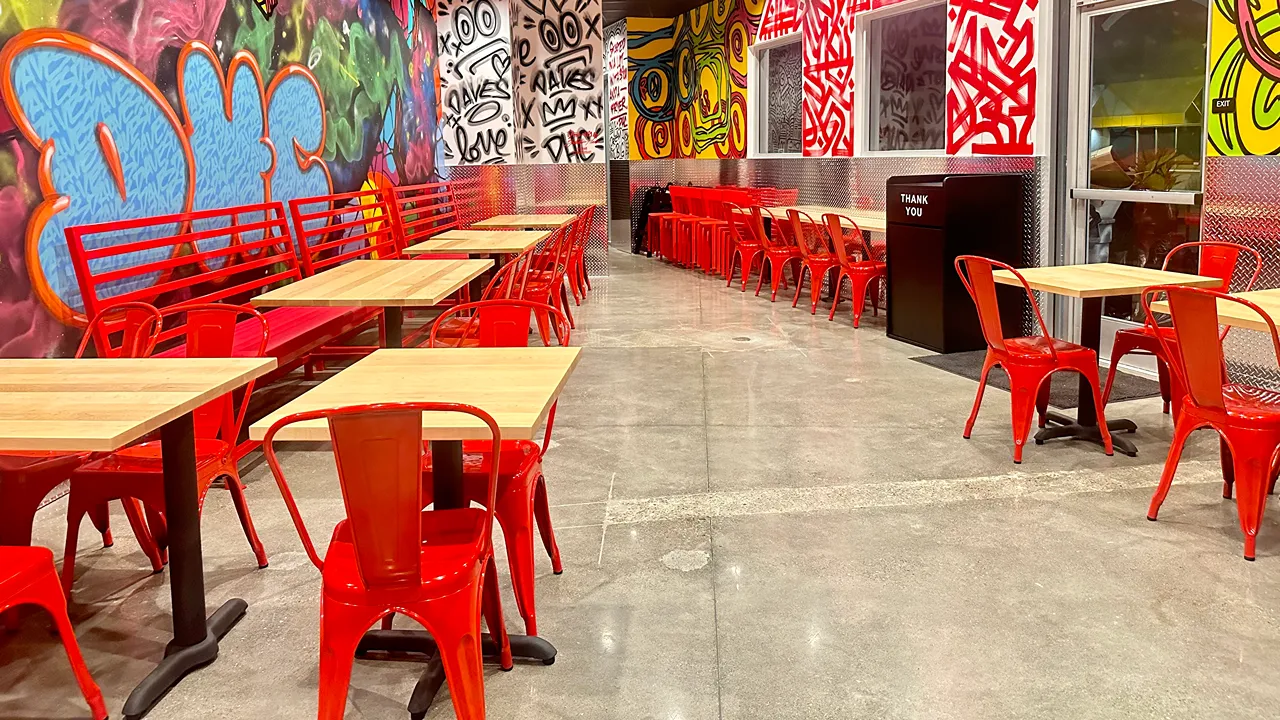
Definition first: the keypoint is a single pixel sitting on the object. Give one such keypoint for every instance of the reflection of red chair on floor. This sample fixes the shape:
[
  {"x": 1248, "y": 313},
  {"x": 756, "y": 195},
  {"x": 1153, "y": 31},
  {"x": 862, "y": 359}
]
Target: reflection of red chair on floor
[
  {"x": 522, "y": 488},
  {"x": 1247, "y": 418},
  {"x": 816, "y": 257},
  {"x": 125, "y": 330},
  {"x": 1028, "y": 361},
  {"x": 209, "y": 331},
  {"x": 390, "y": 556},
  {"x": 1216, "y": 259},
  {"x": 28, "y": 577},
  {"x": 858, "y": 263},
  {"x": 779, "y": 251}
]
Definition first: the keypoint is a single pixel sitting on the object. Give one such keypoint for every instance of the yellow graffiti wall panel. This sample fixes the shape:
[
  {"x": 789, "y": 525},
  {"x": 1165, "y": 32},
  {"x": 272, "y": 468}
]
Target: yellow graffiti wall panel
[
  {"x": 650, "y": 83},
  {"x": 1243, "y": 100}
]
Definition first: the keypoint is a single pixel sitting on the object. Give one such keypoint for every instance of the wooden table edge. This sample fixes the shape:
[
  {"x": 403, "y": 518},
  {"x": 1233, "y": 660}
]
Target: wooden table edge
[{"x": 389, "y": 302}]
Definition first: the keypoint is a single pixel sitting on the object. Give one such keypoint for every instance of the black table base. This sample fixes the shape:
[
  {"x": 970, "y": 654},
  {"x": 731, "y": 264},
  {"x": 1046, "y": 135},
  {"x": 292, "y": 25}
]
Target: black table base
[
  {"x": 1062, "y": 426},
  {"x": 195, "y": 637},
  {"x": 523, "y": 647}
]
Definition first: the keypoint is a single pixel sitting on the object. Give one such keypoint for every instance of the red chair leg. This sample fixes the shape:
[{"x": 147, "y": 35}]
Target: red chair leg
[
  {"x": 341, "y": 627},
  {"x": 760, "y": 280},
  {"x": 804, "y": 269},
  {"x": 47, "y": 593},
  {"x": 1024, "y": 385},
  {"x": 1252, "y": 453},
  {"x": 1181, "y": 431},
  {"x": 987, "y": 364},
  {"x": 542, "y": 514},
  {"x": 142, "y": 533},
  {"x": 456, "y": 629},
  {"x": 1042, "y": 403},
  {"x": 858, "y": 284},
  {"x": 1162, "y": 372},
  {"x": 835, "y": 297},
  {"x": 100, "y": 516},
  {"x": 236, "y": 488},
  {"x": 1228, "y": 467},
  {"x": 1121, "y": 346},
  {"x": 491, "y": 607},
  {"x": 516, "y": 518}
]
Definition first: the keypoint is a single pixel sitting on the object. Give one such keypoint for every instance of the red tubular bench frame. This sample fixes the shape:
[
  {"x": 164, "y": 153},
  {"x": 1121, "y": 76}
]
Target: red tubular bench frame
[
  {"x": 259, "y": 256},
  {"x": 424, "y": 211},
  {"x": 348, "y": 232}
]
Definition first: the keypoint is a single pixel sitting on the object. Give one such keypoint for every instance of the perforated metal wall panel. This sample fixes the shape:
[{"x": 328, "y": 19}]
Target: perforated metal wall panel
[{"x": 487, "y": 190}]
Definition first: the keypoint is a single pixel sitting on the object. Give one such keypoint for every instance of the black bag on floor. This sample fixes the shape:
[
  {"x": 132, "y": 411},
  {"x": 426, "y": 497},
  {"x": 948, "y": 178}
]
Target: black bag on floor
[{"x": 656, "y": 200}]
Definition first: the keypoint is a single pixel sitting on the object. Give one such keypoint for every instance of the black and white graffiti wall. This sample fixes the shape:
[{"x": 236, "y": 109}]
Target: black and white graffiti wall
[
  {"x": 475, "y": 81},
  {"x": 558, "y": 51},
  {"x": 615, "y": 70}
]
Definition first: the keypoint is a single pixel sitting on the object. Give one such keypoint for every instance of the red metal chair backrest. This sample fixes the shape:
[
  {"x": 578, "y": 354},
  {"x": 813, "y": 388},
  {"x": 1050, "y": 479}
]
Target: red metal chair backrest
[
  {"x": 1217, "y": 259},
  {"x": 378, "y": 451},
  {"x": 585, "y": 219},
  {"x": 209, "y": 331},
  {"x": 138, "y": 325},
  {"x": 496, "y": 323},
  {"x": 680, "y": 199},
  {"x": 713, "y": 202},
  {"x": 847, "y": 239},
  {"x": 741, "y": 223},
  {"x": 977, "y": 274},
  {"x": 510, "y": 280},
  {"x": 196, "y": 257},
  {"x": 424, "y": 211},
  {"x": 781, "y": 239},
  {"x": 810, "y": 236},
  {"x": 333, "y": 229},
  {"x": 1196, "y": 357}
]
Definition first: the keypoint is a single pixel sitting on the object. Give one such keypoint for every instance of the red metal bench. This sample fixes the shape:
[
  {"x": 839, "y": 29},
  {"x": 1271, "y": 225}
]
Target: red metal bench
[
  {"x": 223, "y": 255},
  {"x": 424, "y": 211},
  {"x": 332, "y": 229}
]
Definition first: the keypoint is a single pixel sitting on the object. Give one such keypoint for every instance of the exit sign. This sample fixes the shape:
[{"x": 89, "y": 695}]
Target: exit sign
[{"x": 1224, "y": 105}]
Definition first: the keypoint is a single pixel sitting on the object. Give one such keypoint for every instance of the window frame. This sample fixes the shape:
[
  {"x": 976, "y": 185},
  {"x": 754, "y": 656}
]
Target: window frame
[
  {"x": 757, "y": 94},
  {"x": 867, "y": 75}
]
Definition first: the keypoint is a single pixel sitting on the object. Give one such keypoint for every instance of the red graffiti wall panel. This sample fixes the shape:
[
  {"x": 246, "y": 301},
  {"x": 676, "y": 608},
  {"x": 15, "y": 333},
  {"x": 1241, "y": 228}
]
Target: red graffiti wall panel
[
  {"x": 828, "y": 77},
  {"x": 991, "y": 77},
  {"x": 781, "y": 17}
]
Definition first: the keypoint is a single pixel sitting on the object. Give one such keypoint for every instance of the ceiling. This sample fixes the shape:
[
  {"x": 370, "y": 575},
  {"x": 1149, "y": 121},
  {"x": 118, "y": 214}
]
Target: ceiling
[{"x": 615, "y": 10}]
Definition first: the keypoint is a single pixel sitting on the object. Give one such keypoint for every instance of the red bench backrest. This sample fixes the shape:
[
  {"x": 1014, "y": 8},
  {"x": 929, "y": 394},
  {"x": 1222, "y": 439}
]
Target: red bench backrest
[
  {"x": 425, "y": 210},
  {"x": 225, "y": 254},
  {"x": 332, "y": 229}
]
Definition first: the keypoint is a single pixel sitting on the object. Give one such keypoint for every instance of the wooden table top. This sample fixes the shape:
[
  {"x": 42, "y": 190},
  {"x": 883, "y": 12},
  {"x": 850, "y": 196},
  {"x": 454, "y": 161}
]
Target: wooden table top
[
  {"x": 479, "y": 242},
  {"x": 517, "y": 386},
  {"x": 1100, "y": 279},
  {"x": 518, "y": 222},
  {"x": 1237, "y": 315},
  {"x": 104, "y": 404},
  {"x": 868, "y": 220},
  {"x": 377, "y": 283}
]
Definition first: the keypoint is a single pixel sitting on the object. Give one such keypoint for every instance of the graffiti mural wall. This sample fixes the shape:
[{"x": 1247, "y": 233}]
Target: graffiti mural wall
[
  {"x": 651, "y": 86},
  {"x": 559, "y": 103},
  {"x": 111, "y": 115},
  {"x": 991, "y": 77},
  {"x": 615, "y": 70},
  {"x": 1243, "y": 72},
  {"x": 475, "y": 81}
]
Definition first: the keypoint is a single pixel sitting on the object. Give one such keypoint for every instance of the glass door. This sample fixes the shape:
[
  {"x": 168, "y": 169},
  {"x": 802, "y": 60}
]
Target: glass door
[{"x": 1136, "y": 154}]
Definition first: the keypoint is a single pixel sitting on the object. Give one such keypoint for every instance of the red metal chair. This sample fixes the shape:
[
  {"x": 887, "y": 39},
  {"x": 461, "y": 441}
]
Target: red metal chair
[
  {"x": 1217, "y": 259},
  {"x": 1247, "y": 418},
  {"x": 522, "y": 487},
  {"x": 578, "y": 280},
  {"x": 136, "y": 471},
  {"x": 28, "y": 577},
  {"x": 125, "y": 330},
  {"x": 745, "y": 244},
  {"x": 390, "y": 556},
  {"x": 546, "y": 280},
  {"x": 1028, "y": 361},
  {"x": 780, "y": 250},
  {"x": 858, "y": 263},
  {"x": 816, "y": 258}
]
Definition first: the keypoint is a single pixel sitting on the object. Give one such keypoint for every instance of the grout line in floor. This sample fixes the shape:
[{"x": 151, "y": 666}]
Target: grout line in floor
[{"x": 604, "y": 526}]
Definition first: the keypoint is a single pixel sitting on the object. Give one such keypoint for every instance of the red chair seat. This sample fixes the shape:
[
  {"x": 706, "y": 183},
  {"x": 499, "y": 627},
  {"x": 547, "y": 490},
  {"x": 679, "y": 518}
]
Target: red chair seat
[
  {"x": 452, "y": 542},
  {"x": 477, "y": 454},
  {"x": 293, "y": 331},
  {"x": 24, "y": 565},
  {"x": 145, "y": 457},
  {"x": 1255, "y": 404},
  {"x": 1030, "y": 348}
]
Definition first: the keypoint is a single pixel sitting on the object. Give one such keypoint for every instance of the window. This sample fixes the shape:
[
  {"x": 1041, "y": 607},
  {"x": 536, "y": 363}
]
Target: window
[
  {"x": 779, "y": 96},
  {"x": 908, "y": 80}
]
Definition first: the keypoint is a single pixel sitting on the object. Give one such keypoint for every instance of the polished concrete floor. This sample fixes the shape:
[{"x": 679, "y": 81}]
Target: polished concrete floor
[{"x": 762, "y": 514}]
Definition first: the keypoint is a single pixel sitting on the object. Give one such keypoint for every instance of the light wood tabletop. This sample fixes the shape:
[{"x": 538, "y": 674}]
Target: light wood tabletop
[
  {"x": 479, "y": 242},
  {"x": 1237, "y": 315},
  {"x": 517, "y": 386},
  {"x": 103, "y": 404},
  {"x": 867, "y": 220},
  {"x": 524, "y": 222},
  {"x": 1095, "y": 280},
  {"x": 377, "y": 283}
]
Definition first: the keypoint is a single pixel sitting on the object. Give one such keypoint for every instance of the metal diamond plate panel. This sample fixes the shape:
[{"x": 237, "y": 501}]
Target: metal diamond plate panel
[
  {"x": 487, "y": 190},
  {"x": 1240, "y": 206}
]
